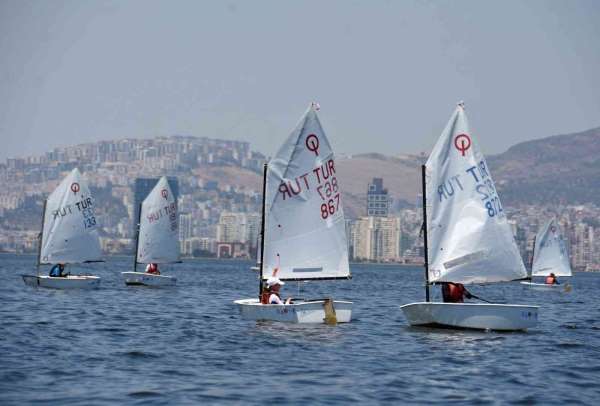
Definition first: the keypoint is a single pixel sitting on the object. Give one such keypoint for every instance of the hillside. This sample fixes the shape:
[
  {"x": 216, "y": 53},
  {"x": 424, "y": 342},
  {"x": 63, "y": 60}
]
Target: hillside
[
  {"x": 557, "y": 169},
  {"x": 400, "y": 176}
]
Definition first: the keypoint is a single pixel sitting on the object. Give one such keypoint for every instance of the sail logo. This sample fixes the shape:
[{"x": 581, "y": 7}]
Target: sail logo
[
  {"x": 312, "y": 144},
  {"x": 75, "y": 187},
  {"x": 462, "y": 143},
  {"x": 164, "y": 194}
]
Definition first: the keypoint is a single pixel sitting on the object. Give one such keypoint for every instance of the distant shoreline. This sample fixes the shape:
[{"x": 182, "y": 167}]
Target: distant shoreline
[{"x": 253, "y": 261}]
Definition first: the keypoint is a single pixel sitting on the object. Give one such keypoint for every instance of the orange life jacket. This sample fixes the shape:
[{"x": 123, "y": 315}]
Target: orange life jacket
[
  {"x": 453, "y": 292},
  {"x": 153, "y": 269},
  {"x": 550, "y": 280},
  {"x": 264, "y": 297}
]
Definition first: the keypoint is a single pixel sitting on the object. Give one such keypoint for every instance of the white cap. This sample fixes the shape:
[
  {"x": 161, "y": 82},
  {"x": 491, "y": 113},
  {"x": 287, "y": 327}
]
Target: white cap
[{"x": 273, "y": 280}]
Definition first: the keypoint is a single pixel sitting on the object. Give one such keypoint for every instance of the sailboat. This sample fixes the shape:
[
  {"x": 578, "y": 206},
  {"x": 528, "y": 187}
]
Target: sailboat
[
  {"x": 550, "y": 256},
  {"x": 157, "y": 237},
  {"x": 467, "y": 237},
  {"x": 69, "y": 235},
  {"x": 303, "y": 228}
]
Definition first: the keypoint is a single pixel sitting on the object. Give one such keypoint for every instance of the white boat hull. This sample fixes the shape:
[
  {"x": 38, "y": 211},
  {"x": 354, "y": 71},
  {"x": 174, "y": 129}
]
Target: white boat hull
[
  {"x": 297, "y": 312},
  {"x": 501, "y": 317},
  {"x": 66, "y": 282},
  {"x": 546, "y": 287},
  {"x": 147, "y": 279}
]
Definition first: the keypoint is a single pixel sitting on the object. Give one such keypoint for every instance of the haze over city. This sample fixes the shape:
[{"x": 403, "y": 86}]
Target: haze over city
[{"x": 387, "y": 74}]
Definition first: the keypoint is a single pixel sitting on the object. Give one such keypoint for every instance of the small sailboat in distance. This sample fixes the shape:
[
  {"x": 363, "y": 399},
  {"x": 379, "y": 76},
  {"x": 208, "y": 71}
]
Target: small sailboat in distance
[
  {"x": 550, "y": 256},
  {"x": 467, "y": 237},
  {"x": 303, "y": 228},
  {"x": 69, "y": 235},
  {"x": 157, "y": 237}
]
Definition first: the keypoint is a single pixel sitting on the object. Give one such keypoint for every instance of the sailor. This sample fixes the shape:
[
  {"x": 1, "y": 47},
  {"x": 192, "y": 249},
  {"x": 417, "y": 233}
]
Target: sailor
[
  {"x": 274, "y": 284},
  {"x": 58, "y": 271},
  {"x": 265, "y": 294},
  {"x": 552, "y": 279},
  {"x": 152, "y": 268},
  {"x": 454, "y": 292}
]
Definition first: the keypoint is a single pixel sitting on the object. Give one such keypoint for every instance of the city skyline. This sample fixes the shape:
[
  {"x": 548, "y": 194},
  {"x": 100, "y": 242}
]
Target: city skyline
[
  {"x": 80, "y": 72},
  {"x": 220, "y": 207}
]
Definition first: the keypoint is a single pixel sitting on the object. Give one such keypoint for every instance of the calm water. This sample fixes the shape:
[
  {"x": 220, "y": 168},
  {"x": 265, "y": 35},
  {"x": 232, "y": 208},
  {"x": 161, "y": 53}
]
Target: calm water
[{"x": 188, "y": 344}]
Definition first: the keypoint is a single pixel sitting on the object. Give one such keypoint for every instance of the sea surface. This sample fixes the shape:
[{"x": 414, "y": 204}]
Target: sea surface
[{"x": 188, "y": 344}]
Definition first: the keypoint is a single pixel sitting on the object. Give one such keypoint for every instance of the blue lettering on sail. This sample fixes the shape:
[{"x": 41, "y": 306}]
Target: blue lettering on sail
[
  {"x": 486, "y": 189},
  {"x": 449, "y": 188}
]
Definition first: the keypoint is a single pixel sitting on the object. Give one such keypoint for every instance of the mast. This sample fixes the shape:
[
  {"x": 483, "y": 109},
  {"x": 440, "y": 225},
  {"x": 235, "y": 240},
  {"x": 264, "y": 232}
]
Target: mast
[
  {"x": 262, "y": 233},
  {"x": 425, "y": 233},
  {"x": 532, "y": 258},
  {"x": 137, "y": 238},
  {"x": 40, "y": 239}
]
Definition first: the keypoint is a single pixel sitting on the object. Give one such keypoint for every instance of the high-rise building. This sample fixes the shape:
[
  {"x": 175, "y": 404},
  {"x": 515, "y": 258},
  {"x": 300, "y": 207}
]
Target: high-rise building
[
  {"x": 185, "y": 226},
  {"x": 376, "y": 239},
  {"x": 378, "y": 200},
  {"x": 142, "y": 187},
  {"x": 238, "y": 227}
]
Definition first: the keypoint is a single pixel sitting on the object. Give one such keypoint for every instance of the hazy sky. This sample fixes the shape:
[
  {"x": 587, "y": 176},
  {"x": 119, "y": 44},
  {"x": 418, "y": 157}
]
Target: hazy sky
[{"x": 386, "y": 73}]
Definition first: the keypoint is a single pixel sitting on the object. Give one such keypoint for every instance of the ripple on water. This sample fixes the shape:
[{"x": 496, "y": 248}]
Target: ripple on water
[{"x": 189, "y": 345}]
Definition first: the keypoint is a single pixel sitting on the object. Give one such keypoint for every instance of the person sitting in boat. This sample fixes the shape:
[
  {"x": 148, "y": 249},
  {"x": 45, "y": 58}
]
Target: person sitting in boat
[
  {"x": 153, "y": 269},
  {"x": 454, "y": 292},
  {"x": 274, "y": 284},
  {"x": 266, "y": 294},
  {"x": 58, "y": 271},
  {"x": 552, "y": 279}
]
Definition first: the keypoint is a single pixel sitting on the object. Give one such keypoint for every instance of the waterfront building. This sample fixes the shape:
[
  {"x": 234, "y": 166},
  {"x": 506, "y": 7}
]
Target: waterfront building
[
  {"x": 376, "y": 239},
  {"x": 378, "y": 199}
]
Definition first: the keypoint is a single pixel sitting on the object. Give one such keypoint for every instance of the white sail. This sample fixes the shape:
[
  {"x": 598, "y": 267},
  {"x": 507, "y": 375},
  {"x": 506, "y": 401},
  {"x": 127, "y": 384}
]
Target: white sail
[
  {"x": 70, "y": 231},
  {"x": 158, "y": 239},
  {"x": 305, "y": 234},
  {"x": 469, "y": 238},
  {"x": 550, "y": 252}
]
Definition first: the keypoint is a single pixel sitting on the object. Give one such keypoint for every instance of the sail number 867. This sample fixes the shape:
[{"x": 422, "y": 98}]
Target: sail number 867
[{"x": 329, "y": 208}]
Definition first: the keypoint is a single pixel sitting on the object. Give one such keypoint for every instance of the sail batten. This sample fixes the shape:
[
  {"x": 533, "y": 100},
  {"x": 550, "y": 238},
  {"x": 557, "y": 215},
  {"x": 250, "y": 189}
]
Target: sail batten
[
  {"x": 470, "y": 240},
  {"x": 550, "y": 252},
  {"x": 70, "y": 231},
  {"x": 304, "y": 225},
  {"x": 158, "y": 240}
]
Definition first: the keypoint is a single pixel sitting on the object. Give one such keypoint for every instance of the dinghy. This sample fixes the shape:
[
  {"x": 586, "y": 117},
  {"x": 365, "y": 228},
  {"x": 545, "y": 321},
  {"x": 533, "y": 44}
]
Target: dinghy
[
  {"x": 157, "y": 237},
  {"x": 69, "y": 235},
  {"x": 303, "y": 228},
  {"x": 550, "y": 256},
  {"x": 467, "y": 239}
]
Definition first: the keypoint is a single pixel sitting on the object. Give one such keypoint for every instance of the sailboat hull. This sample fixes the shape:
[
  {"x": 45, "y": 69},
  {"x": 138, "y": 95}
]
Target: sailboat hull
[
  {"x": 67, "y": 282},
  {"x": 501, "y": 317},
  {"x": 298, "y": 312},
  {"x": 147, "y": 279},
  {"x": 546, "y": 287}
]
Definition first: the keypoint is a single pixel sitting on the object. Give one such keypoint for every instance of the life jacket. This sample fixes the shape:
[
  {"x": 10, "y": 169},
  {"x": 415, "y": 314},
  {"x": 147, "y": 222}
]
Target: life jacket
[
  {"x": 264, "y": 297},
  {"x": 153, "y": 269},
  {"x": 550, "y": 280},
  {"x": 453, "y": 292}
]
